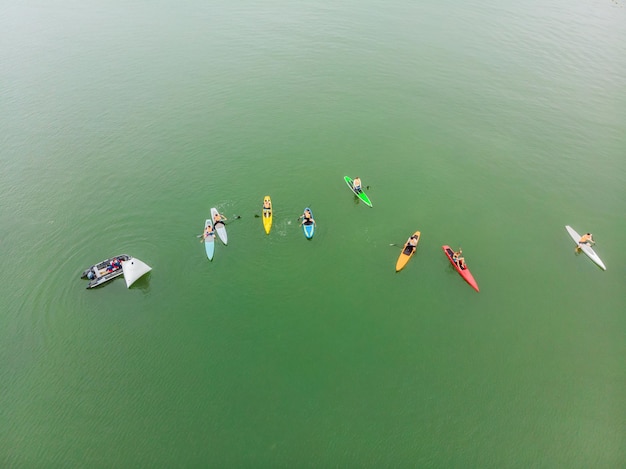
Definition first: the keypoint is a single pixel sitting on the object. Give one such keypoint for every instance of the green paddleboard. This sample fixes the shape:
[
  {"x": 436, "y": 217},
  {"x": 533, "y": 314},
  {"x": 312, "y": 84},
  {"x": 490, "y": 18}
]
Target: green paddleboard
[{"x": 361, "y": 195}]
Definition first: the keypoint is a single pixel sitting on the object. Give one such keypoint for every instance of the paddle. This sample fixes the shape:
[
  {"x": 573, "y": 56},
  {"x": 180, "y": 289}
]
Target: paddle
[
  {"x": 236, "y": 217},
  {"x": 202, "y": 238},
  {"x": 224, "y": 220},
  {"x": 302, "y": 216}
]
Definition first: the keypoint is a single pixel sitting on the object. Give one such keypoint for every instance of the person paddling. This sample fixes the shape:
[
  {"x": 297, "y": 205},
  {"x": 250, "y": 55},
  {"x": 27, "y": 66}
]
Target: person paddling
[
  {"x": 208, "y": 231},
  {"x": 307, "y": 217},
  {"x": 410, "y": 244},
  {"x": 218, "y": 218},
  {"x": 458, "y": 259},
  {"x": 267, "y": 207},
  {"x": 356, "y": 184}
]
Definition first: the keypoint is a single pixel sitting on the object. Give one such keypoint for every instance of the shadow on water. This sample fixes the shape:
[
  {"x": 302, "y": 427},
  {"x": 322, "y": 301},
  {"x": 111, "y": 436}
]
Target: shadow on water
[{"x": 143, "y": 284}]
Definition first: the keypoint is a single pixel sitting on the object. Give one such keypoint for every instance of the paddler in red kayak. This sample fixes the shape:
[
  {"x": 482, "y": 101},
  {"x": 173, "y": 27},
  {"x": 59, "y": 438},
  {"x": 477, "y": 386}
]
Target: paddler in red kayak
[{"x": 458, "y": 259}]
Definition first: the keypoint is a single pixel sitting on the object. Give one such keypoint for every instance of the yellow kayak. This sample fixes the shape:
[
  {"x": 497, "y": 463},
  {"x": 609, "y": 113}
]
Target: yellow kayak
[
  {"x": 267, "y": 214},
  {"x": 407, "y": 253}
]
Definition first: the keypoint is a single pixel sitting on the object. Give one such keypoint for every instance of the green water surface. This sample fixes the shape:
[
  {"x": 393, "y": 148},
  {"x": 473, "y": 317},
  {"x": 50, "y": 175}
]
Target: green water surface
[{"x": 486, "y": 125}]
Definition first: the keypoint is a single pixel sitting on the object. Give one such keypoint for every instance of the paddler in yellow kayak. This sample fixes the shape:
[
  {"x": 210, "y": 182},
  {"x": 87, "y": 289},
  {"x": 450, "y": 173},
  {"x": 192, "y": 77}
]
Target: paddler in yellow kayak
[
  {"x": 411, "y": 243},
  {"x": 267, "y": 207}
]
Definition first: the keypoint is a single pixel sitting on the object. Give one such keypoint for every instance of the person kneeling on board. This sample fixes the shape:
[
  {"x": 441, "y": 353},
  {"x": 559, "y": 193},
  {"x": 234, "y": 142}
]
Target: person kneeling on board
[{"x": 587, "y": 239}]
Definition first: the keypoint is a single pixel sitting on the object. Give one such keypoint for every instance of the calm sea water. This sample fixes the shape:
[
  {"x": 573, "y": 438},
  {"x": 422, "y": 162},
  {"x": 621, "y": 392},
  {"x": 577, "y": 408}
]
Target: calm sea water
[{"x": 486, "y": 125}]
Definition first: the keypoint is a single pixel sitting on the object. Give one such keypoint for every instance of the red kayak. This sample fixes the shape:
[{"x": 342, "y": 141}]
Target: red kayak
[{"x": 465, "y": 273}]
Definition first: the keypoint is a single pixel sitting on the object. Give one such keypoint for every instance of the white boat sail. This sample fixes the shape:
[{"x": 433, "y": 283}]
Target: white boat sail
[{"x": 134, "y": 269}]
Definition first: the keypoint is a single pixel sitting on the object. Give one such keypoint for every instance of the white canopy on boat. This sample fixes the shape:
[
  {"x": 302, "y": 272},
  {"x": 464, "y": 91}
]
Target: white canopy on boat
[{"x": 133, "y": 270}]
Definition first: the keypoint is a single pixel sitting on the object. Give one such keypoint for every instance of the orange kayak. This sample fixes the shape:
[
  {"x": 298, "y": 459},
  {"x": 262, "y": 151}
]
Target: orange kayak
[{"x": 407, "y": 253}]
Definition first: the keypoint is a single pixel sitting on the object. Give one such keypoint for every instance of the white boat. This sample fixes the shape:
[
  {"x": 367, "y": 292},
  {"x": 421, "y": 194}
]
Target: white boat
[
  {"x": 123, "y": 264},
  {"x": 585, "y": 247}
]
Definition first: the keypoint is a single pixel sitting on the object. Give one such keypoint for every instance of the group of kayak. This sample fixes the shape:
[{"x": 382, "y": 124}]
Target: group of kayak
[
  {"x": 133, "y": 268},
  {"x": 455, "y": 257},
  {"x": 216, "y": 225},
  {"x": 583, "y": 243}
]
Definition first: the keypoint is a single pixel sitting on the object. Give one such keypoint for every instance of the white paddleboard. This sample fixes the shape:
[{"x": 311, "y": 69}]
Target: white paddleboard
[
  {"x": 585, "y": 247},
  {"x": 209, "y": 241},
  {"x": 220, "y": 228}
]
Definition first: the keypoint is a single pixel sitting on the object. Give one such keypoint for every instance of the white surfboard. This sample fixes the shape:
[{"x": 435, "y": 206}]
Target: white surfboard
[{"x": 585, "y": 247}]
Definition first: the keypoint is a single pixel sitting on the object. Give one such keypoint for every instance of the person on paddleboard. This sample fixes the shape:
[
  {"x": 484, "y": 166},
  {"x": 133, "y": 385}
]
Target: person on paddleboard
[
  {"x": 356, "y": 184},
  {"x": 208, "y": 232},
  {"x": 411, "y": 243},
  {"x": 587, "y": 238},
  {"x": 267, "y": 207},
  {"x": 307, "y": 218},
  {"x": 218, "y": 218},
  {"x": 458, "y": 259}
]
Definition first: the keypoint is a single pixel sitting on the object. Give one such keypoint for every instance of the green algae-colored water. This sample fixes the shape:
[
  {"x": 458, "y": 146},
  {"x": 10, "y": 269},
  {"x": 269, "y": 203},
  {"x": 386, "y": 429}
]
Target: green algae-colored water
[{"x": 485, "y": 125}]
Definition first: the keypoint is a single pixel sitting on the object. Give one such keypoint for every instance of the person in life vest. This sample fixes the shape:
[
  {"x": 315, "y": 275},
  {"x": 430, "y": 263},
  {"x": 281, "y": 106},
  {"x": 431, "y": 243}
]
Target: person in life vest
[
  {"x": 356, "y": 184},
  {"x": 218, "y": 218},
  {"x": 114, "y": 265},
  {"x": 458, "y": 259},
  {"x": 208, "y": 231},
  {"x": 410, "y": 244},
  {"x": 307, "y": 218},
  {"x": 267, "y": 207}
]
